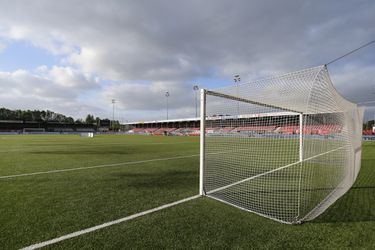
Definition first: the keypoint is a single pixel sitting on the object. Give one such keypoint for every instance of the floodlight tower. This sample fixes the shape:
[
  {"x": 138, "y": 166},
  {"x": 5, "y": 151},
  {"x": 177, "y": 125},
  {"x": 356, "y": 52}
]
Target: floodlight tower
[
  {"x": 196, "y": 88},
  {"x": 113, "y": 114},
  {"x": 167, "y": 96},
  {"x": 237, "y": 80}
]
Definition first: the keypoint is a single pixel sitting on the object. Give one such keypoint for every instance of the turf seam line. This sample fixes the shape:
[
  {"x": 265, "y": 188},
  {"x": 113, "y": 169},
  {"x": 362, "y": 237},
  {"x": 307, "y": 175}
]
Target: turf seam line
[
  {"x": 97, "y": 166},
  {"x": 107, "y": 224}
]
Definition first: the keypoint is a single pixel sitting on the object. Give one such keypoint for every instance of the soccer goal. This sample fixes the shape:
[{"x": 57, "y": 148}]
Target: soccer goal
[
  {"x": 285, "y": 148},
  {"x": 33, "y": 130},
  {"x": 87, "y": 134}
]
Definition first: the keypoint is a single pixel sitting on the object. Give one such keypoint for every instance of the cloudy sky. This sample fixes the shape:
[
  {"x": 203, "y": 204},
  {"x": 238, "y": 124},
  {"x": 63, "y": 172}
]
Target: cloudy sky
[{"x": 73, "y": 57}]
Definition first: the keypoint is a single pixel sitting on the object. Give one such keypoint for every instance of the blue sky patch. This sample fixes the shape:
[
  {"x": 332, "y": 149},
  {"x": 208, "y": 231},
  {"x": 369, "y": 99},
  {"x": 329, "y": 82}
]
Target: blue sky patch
[{"x": 23, "y": 55}]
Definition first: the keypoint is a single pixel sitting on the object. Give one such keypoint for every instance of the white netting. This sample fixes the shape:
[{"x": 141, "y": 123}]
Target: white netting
[{"x": 257, "y": 159}]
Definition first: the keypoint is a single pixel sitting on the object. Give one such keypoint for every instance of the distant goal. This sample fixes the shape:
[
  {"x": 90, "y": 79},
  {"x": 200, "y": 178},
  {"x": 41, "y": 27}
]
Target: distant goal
[
  {"x": 33, "y": 130},
  {"x": 285, "y": 148},
  {"x": 87, "y": 134}
]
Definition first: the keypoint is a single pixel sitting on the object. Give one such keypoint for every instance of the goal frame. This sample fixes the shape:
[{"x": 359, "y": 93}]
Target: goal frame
[
  {"x": 326, "y": 130},
  {"x": 203, "y": 94}
]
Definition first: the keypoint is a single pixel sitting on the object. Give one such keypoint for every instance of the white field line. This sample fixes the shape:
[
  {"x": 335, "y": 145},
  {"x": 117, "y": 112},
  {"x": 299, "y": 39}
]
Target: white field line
[
  {"x": 107, "y": 224},
  {"x": 105, "y": 165},
  {"x": 90, "y": 145},
  {"x": 98, "y": 166},
  {"x": 272, "y": 171}
]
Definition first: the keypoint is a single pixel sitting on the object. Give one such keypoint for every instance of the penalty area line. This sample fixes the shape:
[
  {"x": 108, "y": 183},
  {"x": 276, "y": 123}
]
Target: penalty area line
[
  {"x": 107, "y": 224},
  {"x": 98, "y": 166}
]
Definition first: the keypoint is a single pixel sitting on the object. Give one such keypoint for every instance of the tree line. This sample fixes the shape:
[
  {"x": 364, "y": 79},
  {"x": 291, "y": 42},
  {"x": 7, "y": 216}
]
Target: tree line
[
  {"x": 369, "y": 125},
  {"x": 44, "y": 116}
]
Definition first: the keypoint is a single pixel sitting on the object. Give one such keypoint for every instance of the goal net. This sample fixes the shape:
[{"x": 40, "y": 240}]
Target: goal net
[{"x": 285, "y": 148}]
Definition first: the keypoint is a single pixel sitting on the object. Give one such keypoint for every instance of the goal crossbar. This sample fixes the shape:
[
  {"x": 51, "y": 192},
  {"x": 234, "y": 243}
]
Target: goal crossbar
[{"x": 240, "y": 99}]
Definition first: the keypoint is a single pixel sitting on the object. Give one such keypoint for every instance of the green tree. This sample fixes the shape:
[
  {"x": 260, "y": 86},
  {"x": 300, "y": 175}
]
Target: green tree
[
  {"x": 69, "y": 120},
  {"x": 26, "y": 115},
  {"x": 90, "y": 119},
  {"x": 79, "y": 121}
]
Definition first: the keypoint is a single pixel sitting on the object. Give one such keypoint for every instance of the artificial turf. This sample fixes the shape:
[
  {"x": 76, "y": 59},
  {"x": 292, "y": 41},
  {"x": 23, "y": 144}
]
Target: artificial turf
[{"x": 41, "y": 207}]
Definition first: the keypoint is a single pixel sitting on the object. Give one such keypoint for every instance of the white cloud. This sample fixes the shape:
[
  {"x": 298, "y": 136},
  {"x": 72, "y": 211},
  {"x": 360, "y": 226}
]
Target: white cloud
[
  {"x": 148, "y": 101},
  {"x": 167, "y": 45},
  {"x": 58, "y": 88},
  {"x": 50, "y": 40},
  {"x": 160, "y": 40},
  {"x": 357, "y": 83}
]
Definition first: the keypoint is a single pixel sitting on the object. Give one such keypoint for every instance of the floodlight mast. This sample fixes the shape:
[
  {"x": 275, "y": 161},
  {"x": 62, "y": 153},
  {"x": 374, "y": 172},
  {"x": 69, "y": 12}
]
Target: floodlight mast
[
  {"x": 113, "y": 114},
  {"x": 196, "y": 88},
  {"x": 237, "y": 80},
  {"x": 167, "y": 96}
]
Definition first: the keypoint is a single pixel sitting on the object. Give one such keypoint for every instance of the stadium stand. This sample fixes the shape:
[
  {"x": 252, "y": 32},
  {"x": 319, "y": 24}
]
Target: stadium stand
[
  {"x": 288, "y": 129},
  {"x": 138, "y": 130},
  {"x": 63, "y": 130},
  {"x": 150, "y": 130},
  {"x": 368, "y": 132},
  {"x": 163, "y": 131},
  {"x": 190, "y": 127},
  {"x": 85, "y": 130},
  {"x": 186, "y": 131},
  {"x": 255, "y": 129},
  {"x": 20, "y": 126}
]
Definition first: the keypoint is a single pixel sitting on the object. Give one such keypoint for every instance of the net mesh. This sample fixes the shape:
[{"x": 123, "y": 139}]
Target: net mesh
[{"x": 285, "y": 148}]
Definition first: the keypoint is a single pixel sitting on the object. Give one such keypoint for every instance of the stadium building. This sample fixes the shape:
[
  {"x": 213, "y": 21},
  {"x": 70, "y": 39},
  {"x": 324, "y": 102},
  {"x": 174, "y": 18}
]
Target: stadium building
[
  {"x": 263, "y": 123},
  {"x": 17, "y": 126}
]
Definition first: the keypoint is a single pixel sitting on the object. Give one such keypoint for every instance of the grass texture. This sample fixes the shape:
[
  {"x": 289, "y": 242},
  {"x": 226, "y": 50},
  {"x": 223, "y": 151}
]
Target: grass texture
[{"x": 41, "y": 207}]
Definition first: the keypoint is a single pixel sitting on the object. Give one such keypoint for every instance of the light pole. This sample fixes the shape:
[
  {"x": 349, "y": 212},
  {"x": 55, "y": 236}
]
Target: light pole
[
  {"x": 237, "y": 80},
  {"x": 113, "y": 114},
  {"x": 167, "y": 95},
  {"x": 196, "y": 88}
]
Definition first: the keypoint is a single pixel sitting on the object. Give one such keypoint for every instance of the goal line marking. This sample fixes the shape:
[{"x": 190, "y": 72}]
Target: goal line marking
[
  {"x": 98, "y": 166},
  {"x": 107, "y": 224},
  {"x": 272, "y": 171}
]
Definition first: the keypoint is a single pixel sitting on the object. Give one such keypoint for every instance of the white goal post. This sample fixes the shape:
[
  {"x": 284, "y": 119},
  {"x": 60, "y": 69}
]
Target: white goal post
[
  {"x": 87, "y": 134},
  {"x": 285, "y": 148}
]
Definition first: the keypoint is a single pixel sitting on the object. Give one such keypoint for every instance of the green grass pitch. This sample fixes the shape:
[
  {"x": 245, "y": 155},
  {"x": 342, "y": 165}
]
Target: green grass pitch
[{"x": 36, "y": 208}]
